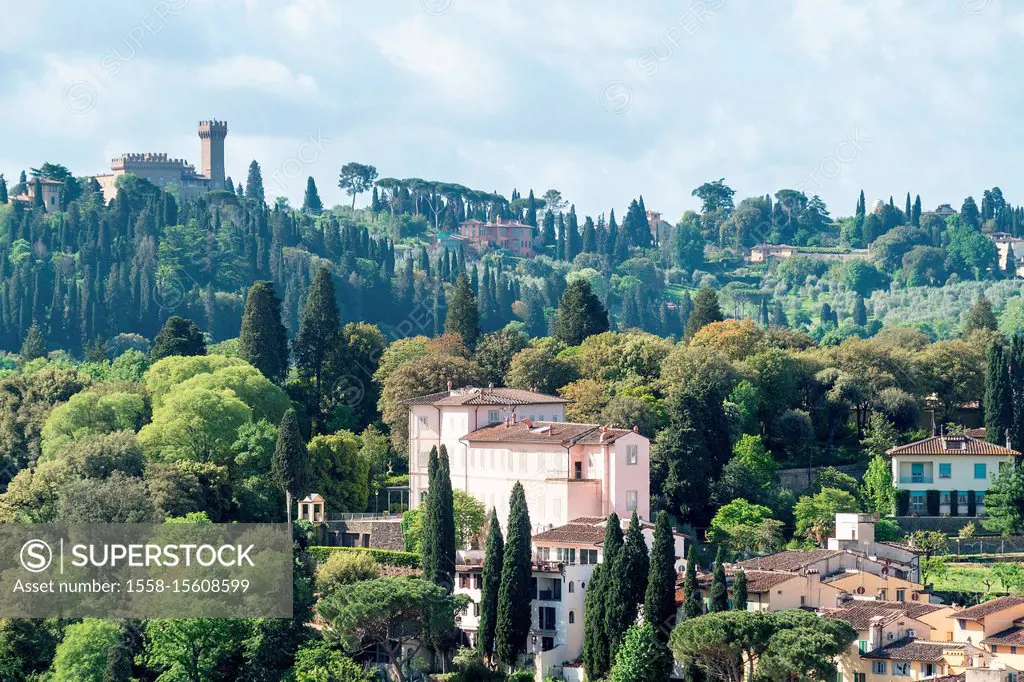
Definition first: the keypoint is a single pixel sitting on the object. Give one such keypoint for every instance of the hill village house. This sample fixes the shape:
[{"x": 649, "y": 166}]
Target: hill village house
[{"x": 575, "y": 475}]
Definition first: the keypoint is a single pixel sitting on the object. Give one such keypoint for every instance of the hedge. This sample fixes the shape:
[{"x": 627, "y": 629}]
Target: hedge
[
  {"x": 972, "y": 503},
  {"x": 386, "y": 557},
  {"x": 932, "y": 502},
  {"x": 902, "y": 502},
  {"x": 954, "y": 502}
]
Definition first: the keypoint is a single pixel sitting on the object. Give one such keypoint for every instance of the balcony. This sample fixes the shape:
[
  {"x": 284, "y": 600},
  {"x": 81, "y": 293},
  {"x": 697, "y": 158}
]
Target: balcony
[
  {"x": 916, "y": 478},
  {"x": 549, "y": 595}
]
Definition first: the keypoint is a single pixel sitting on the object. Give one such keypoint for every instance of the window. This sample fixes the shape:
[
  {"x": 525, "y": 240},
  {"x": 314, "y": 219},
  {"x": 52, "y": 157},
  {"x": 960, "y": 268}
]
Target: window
[
  {"x": 944, "y": 497},
  {"x": 492, "y": 417},
  {"x": 423, "y": 422},
  {"x": 476, "y": 610},
  {"x": 1013, "y": 649},
  {"x": 423, "y": 496},
  {"x": 572, "y": 587},
  {"x": 901, "y": 595},
  {"x": 981, "y": 471},
  {"x": 902, "y": 668},
  {"x": 572, "y": 617},
  {"x": 630, "y": 454},
  {"x": 928, "y": 669},
  {"x": 961, "y": 499},
  {"x": 878, "y": 667},
  {"x": 862, "y": 646},
  {"x": 946, "y": 470},
  {"x": 910, "y": 632},
  {"x": 630, "y": 500},
  {"x": 424, "y": 458},
  {"x": 979, "y": 498},
  {"x": 917, "y": 501},
  {"x": 588, "y": 556},
  {"x": 860, "y": 677}
]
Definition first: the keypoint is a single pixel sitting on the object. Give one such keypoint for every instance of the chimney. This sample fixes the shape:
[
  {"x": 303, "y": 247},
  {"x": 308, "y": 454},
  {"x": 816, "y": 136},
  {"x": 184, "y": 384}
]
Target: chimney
[
  {"x": 636, "y": 429},
  {"x": 449, "y": 385},
  {"x": 1008, "y": 445}
]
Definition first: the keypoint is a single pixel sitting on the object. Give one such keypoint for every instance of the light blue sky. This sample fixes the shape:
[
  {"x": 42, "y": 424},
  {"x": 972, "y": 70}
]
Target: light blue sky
[{"x": 603, "y": 99}]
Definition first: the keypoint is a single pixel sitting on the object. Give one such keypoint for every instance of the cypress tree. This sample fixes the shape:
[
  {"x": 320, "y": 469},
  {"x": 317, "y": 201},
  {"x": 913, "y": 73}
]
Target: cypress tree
[
  {"x": 908, "y": 211},
  {"x": 290, "y": 463},
  {"x": 705, "y": 311},
  {"x": 178, "y": 336},
  {"x": 691, "y": 603},
  {"x": 572, "y": 239},
  {"x": 998, "y": 403},
  {"x": 491, "y": 584},
  {"x": 513, "y": 620},
  {"x": 263, "y": 341},
  {"x": 915, "y": 212},
  {"x": 1011, "y": 262},
  {"x": 1016, "y": 372},
  {"x": 628, "y": 582},
  {"x": 119, "y": 664},
  {"x": 34, "y": 345},
  {"x": 429, "y": 549},
  {"x": 980, "y": 317},
  {"x": 660, "y": 597},
  {"x": 311, "y": 200},
  {"x": 254, "y": 183},
  {"x": 580, "y": 314},
  {"x": 316, "y": 346},
  {"x": 442, "y": 506},
  {"x": 548, "y": 235},
  {"x": 37, "y": 193},
  {"x": 595, "y": 644},
  {"x": 739, "y": 591},
  {"x": 860, "y": 311},
  {"x": 531, "y": 210},
  {"x": 463, "y": 317},
  {"x": 3, "y": 190},
  {"x": 719, "y": 593}
]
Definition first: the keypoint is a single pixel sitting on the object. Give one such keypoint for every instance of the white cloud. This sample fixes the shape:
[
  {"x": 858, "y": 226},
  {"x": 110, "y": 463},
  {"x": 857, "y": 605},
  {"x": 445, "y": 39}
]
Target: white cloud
[{"x": 255, "y": 73}]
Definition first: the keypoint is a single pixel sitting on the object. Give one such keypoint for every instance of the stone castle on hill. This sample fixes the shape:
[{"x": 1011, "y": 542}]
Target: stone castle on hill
[{"x": 163, "y": 171}]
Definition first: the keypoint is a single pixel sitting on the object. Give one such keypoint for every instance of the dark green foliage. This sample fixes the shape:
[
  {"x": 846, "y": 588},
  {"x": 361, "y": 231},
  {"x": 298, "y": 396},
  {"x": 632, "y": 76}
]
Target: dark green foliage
[
  {"x": 384, "y": 557},
  {"x": 739, "y": 591},
  {"x": 660, "y": 597},
  {"x": 34, "y": 345},
  {"x": 119, "y": 665},
  {"x": 705, "y": 311},
  {"x": 178, "y": 336},
  {"x": 463, "y": 316},
  {"x": 580, "y": 314},
  {"x": 513, "y": 620},
  {"x": 691, "y": 595},
  {"x": 860, "y": 312},
  {"x": 981, "y": 316},
  {"x": 628, "y": 581},
  {"x": 3, "y": 189},
  {"x": 1004, "y": 503},
  {"x": 263, "y": 341},
  {"x": 1015, "y": 362},
  {"x": 254, "y": 183},
  {"x": 932, "y": 502},
  {"x": 642, "y": 657},
  {"x": 290, "y": 463},
  {"x": 316, "y": 347},
  {"x": 902, "y": 502},
  {"x": 494, "y": 353},
  {"x": 718, "y": 594},
  {"x": 972, "y": 503},
  {"x": 954, "y": 502},
  {"x": 491, "y": 579},
  {"x": 595, "y": 644},
  {"x": 429, "y": 549},
  {"x": 311, "y": 199},
  {"x": 439, "y": 525}
]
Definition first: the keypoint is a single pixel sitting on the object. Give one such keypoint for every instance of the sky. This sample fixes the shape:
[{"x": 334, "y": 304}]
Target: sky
[{"x": 604, "y": 100}]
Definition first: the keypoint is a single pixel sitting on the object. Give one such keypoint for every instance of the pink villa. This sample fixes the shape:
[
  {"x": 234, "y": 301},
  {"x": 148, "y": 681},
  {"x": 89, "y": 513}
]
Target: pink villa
[
  {"x": 498, "y": 436},
  {"x": 511, "y": 235}
]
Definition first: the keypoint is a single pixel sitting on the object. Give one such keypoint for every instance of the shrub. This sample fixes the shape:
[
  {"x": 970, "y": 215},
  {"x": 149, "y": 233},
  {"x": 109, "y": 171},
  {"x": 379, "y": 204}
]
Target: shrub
[
  {"x": 902, "y": 502},
  {"x": 384, "y": 557},
  {"x": 972, "y": 503},
  {"x": 343, "y": 568},
  {"x": 954, "y": 503},
  {"x": 932, "y": 502}
]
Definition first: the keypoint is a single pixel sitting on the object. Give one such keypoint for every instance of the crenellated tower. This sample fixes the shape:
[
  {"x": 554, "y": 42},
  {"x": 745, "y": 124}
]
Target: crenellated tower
[{"x": 212, "y": 133}]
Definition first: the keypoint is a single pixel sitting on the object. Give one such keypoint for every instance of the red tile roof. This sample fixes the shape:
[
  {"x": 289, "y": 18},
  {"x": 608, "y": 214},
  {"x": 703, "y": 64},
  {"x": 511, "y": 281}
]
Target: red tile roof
[
  {"x": 860, "y": 612},
  {"x": 1011, "y": 637},
  {"x": 758, "y": 582},
  {"x": 790, "y": 559},
  {"x": 484, "y": 396},
  {"x": 987, "y": 608},
  {"x": 951, "y": 445},
  {"x": 910, "y": 649},
  {"x": 563, "y": 433}
]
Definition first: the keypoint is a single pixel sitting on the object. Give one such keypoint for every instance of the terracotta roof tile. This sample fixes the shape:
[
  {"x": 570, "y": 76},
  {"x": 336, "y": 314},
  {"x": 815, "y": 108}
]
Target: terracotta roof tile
[
  {"x": 1011, "y": 637},
  {"x": 484, "y": 396},
  {"x": 564, "y": 433},
  {"x": 574, "y": 533},
  {"x": 910, "y": 649},
  {"x": 860, "y": 612},
  {"x": 790, "y": 559},
  {"x": 758, "y": 582},
  {"x": 987, "y": 608},
  {"x": 951, "y": 445}
]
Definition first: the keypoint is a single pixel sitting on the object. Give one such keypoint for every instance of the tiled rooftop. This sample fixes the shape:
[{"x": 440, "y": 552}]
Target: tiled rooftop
[
  {"x": 564, "y": 433},
  {"x": 860, "y": 612},
  {"x": 910, "y": 649},
  {"x": 484, "y": 396},
  {"x": 987, "y": 608},
  {"x": 790, "y": 559},
  {"x": 951, "y": 445}
]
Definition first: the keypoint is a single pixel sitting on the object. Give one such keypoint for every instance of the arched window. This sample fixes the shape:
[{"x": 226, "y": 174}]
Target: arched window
[
  {"x": 572, "y": 617},
  {"x": 583, "y": 586},
  {"x": 572, "y": 587}
]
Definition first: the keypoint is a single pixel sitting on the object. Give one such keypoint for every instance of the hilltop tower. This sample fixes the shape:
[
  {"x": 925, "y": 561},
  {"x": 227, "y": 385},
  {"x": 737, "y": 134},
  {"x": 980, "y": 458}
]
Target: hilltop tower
[{"x": 212, "y": 133}]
